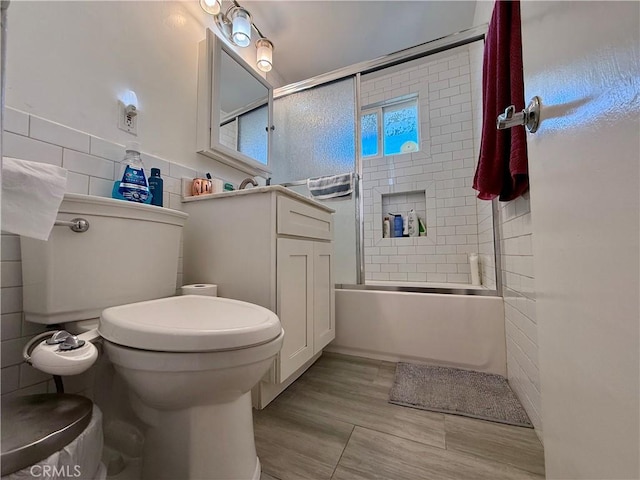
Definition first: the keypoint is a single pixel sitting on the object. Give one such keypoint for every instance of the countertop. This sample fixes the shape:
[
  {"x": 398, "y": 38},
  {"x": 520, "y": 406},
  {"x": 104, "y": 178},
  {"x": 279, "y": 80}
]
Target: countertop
[{"x": 257, "y": 190}]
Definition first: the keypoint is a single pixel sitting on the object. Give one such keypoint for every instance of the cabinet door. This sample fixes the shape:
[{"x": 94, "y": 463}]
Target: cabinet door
[
  {"x": 324, "y": 328},
  {"x": 295, "y": 303}
]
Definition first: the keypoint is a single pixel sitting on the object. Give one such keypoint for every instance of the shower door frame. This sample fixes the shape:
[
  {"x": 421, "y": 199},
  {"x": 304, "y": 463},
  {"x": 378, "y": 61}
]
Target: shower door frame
[{"x": 442, "y": 44}]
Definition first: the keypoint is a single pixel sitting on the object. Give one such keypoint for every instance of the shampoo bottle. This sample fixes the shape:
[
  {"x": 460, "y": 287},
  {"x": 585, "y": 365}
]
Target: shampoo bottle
[
  {"x": 133, "y": 185},
  {"x": 414, "y": 228},
  {"x": 397, "y": 226}
]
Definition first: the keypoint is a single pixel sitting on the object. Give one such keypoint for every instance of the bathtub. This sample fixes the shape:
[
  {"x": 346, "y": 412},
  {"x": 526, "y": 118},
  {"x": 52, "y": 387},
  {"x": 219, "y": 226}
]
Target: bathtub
[{"x": 463, "y": 331}]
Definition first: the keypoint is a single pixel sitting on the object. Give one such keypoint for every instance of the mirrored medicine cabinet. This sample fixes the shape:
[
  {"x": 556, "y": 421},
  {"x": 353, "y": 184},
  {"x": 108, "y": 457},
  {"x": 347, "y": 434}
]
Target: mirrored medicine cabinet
[{"x": 234, "y": 109}]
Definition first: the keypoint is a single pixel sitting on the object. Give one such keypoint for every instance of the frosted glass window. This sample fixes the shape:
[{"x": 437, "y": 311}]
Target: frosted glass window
[
  {"x": 369, "y": 132},
  {"x": 314, "y": 132},
  {"x": 399, "y": 133},
  {"x": 400, "y": 124},
  {"x": 252, "y": 134}
]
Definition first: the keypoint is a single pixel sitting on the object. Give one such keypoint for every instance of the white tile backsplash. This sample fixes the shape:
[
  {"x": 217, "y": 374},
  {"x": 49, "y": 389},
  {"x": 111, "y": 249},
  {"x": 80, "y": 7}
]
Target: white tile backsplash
[
  {"x": 105, "y": 149},
  {"x": 100, "y": 187},
  {"x": 77, "y": 183},
  {"x": 87, "y": 164},
  {"x": 25, "y": 148},
  {"x": 11, "y": 299},
  {"x": 11, "y": 325},
  {"x": 11, "y": 274},
  {"x": 16, "y": 122},
  {"x": 57, "y": 134},
  {"x": 10, "y": 248}
]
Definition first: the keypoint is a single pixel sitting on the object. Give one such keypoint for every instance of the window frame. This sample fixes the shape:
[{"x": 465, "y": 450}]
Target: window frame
[
  {"x": 378, "y": 112},
  {"x": 378, "y": 109}
]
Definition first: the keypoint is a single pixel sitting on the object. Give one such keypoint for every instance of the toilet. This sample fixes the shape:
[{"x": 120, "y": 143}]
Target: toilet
[
  {"x": 191, "y": 365},
  {"x": 190, "y": 362}
]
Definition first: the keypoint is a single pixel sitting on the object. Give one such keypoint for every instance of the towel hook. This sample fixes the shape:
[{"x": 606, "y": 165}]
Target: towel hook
[{"x": 529, "y": 117}]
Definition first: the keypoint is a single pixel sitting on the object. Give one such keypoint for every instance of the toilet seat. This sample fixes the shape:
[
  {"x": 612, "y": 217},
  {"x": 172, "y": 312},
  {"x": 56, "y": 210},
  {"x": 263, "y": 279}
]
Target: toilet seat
[{"x": 206, "y": 324}]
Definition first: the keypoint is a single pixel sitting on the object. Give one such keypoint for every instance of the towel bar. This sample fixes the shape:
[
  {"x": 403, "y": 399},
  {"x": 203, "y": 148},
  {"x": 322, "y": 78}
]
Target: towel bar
[
  {"x": 529, "y": 117},
  {"x": 78, "y": 225},
  {"x": 298, "y": 183}
]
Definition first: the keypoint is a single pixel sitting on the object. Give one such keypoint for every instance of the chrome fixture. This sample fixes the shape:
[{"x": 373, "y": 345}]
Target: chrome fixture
[
  {"x": 529, "y": 117},
  {"x": 236, "y": 24},
  {"x": 78, "y": 225},
  {"x": 246, "y": 182},
  {"x": 58, "y": 337}
]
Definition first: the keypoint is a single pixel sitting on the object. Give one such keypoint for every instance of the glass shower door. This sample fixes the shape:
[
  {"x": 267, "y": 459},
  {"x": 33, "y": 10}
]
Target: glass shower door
[{"x": 315, "y": 136}]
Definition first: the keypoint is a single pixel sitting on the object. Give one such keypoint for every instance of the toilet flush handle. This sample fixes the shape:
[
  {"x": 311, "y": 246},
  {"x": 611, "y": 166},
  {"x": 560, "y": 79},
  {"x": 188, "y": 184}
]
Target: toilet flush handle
[
  {"x": 58, "y": 337},
  {"x": 71, "y": 343}
]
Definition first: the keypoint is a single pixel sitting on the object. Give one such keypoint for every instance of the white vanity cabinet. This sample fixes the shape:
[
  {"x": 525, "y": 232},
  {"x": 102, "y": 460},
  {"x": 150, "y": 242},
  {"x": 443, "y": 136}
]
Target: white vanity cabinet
[{"x": 272, "y": 247}]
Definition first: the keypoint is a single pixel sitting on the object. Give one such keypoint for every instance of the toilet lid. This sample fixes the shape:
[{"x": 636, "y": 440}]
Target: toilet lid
[{"x": 189, "y": 323}]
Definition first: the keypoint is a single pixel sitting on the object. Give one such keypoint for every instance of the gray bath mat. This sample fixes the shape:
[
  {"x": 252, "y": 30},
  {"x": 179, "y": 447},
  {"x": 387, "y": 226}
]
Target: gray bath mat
[{"x": 459, "y": 392}]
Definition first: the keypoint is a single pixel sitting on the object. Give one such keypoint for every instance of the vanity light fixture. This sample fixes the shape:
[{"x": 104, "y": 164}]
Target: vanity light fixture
[
  {"x": 236, "y": 24},
  {"x": 264, "y": 49},
  {"x": 240, "y": 26},
  {"x": 212, "y": 7}
]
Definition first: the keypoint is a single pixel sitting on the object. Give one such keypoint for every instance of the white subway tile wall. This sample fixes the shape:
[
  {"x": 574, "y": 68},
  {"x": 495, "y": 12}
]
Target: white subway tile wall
[
  {"x": 520, "y": 305},
  {"x": 93, "y": 164},
  {"x": 514, "y": 232},
  {"x": 443, "y": 169},
  {"x": 486, "y": 250},
  {"x": 514, "y": 220},
  {"x": 228, "y": 135}
]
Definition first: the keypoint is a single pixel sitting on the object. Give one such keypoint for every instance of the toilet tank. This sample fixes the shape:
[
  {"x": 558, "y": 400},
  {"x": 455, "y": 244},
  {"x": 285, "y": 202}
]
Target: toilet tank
[{"x": 129, "y": 254}]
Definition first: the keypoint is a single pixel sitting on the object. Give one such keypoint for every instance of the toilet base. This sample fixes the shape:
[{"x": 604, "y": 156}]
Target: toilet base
[{"x": 204, "y": 442}]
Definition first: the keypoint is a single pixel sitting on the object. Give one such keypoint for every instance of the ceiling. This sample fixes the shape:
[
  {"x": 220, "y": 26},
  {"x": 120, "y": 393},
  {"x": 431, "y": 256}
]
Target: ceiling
[{"x": 314, "y": 37}]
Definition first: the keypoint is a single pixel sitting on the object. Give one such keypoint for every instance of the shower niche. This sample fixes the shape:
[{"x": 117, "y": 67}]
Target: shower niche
[{"x": 392, "y": 200}]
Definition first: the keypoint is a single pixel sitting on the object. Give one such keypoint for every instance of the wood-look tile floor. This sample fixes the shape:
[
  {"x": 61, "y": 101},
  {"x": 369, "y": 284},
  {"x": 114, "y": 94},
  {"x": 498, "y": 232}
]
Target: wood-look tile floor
[{"x": 334, "y": 422}]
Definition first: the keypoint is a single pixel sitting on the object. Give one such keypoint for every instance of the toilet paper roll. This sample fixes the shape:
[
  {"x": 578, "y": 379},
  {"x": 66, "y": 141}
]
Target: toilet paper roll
[{"x": 205, "y": 289}]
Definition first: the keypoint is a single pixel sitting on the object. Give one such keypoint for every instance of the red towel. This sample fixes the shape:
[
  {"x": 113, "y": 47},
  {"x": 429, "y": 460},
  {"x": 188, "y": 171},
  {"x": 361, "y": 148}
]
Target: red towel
[{"x": 502, "y": 168}]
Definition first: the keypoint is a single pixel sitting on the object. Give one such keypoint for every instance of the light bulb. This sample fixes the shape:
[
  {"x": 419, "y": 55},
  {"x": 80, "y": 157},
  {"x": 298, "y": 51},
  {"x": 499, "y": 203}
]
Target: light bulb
[
  {"x": 212, "y": 7},
  {"x": 264, "y": 54},
  {"x": 241, "y": 27}
]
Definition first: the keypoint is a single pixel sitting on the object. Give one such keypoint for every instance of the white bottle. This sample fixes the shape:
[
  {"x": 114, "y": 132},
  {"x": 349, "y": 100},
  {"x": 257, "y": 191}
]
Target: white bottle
[
  {"x": 386, "y": 228},
  {"x": 413, "y": 226},
  {"x": 474, "y": 266}
]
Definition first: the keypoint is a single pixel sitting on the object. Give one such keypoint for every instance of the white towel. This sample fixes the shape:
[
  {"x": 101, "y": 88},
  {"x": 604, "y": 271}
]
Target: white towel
[
  {"x": 332, "y": 186},
  {"x": 31, "y": 196}
]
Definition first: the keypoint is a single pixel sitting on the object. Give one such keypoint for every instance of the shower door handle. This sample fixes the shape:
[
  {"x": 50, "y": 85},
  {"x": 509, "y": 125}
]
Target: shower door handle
[{"x": 529, "y": 117}]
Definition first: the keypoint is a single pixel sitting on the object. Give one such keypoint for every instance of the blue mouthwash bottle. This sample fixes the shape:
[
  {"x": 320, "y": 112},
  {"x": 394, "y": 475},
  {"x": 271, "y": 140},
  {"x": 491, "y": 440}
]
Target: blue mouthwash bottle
[{"x": 133, "y": 185}]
